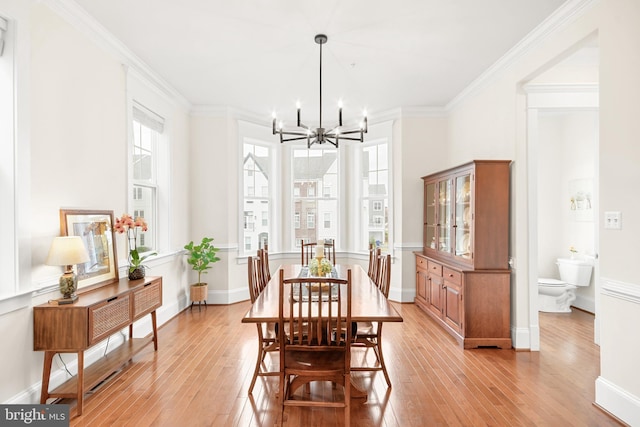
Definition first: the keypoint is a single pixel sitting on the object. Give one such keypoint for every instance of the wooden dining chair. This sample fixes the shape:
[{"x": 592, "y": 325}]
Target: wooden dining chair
[
  {"x": 264, "y": 258},
  {"x": 315, "y": 345},
  {"x": 369, "y": 334},
  {"x": 309, "y": 251},
  {"x": 267, "y": 339},
  {"x": 374, "y": 262}
]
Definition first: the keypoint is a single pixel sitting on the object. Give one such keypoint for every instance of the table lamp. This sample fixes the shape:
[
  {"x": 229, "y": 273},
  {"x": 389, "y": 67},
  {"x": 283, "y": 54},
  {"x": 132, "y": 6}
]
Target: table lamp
[{"x": 67, "y": 251}]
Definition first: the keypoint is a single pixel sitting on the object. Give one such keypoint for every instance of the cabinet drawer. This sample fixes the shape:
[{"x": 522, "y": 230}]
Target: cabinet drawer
[
  {"x": 452, "y": 276},
  {"x": 421, "y": 263},
  {"x": 147, "y": 299},
  {"x": 109, "y": 317},
  {"x": 435, "y": 268}
]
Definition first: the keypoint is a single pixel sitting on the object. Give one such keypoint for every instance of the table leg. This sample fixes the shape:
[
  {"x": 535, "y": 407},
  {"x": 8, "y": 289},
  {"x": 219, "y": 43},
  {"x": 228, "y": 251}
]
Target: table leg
[
  {"x": 80, "y": 384},
  {"x": 46, "y": 374},
  {"x": 155, "y": 330}
]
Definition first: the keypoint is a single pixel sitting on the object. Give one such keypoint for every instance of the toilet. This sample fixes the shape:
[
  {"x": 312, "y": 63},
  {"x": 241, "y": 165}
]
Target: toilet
[{"x": 556, "y": 296}]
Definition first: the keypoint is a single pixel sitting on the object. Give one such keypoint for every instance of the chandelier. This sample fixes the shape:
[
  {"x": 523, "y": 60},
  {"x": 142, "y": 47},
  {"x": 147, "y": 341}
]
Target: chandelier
[{"x": 320, "y": 135}]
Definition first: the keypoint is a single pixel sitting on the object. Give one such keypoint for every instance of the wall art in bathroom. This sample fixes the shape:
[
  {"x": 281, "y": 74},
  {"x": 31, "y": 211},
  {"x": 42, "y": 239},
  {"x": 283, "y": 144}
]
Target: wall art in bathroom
[{"x": 581, "y": 199}]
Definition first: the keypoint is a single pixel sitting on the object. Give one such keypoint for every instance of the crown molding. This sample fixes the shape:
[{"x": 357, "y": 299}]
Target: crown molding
[
  {"x": 423, "y": 111},
  {"x": 562, "y": 88},
  {"x": 87, "y": 25},
  {"x": 565, "y": 14}
]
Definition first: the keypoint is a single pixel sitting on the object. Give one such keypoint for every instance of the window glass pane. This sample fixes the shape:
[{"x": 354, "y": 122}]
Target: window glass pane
[
  {"x": 144, "y": 145},
  {"x": 145, "y": 188},
  {"x": 315, "y": 204},
  {"x": 375, "y": 196},
  {"x": 143, "y": 207},
  {"x": 257, "y": 205}
]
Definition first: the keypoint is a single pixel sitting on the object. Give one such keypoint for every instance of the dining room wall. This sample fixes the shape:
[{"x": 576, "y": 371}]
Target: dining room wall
[
  {"x": 420, "y": 147},
  {"x": 74, "y": 155},
  {"x": 490, "y": 120}
]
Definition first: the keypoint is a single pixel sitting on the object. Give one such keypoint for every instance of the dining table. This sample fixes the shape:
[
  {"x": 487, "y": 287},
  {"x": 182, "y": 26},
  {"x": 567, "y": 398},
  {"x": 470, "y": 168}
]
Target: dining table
[{"x": 368, "y": 304}]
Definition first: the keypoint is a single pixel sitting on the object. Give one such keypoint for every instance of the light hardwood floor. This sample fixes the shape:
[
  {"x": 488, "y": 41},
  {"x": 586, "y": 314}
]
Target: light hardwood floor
[{"x": 203, "y": 368}]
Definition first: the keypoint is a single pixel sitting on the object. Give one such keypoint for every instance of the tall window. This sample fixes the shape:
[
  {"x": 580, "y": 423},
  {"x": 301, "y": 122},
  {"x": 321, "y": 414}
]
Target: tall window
[
  {"x": 315, "y": 180},
  {"x": 147, "y": 131},
  {"x": 256, "y": 174},
  {"x": 375, "y": 195}
]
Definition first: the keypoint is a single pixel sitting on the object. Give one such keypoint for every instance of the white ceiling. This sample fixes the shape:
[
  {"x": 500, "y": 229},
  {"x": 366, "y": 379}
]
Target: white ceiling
[{"x": 260, "y": 55}]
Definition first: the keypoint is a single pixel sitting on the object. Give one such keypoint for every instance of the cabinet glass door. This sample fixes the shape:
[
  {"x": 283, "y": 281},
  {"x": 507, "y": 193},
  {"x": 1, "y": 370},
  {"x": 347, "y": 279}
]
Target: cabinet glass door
[
  {"x": 444, "y": 216},
  {"x": 464, "y": 216},
  {"x": 430, "y": 225}
]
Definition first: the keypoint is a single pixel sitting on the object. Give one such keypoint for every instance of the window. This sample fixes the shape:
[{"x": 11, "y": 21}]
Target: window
[
  {"x": 147, "y": 131},
  {"x": 248, "y": 221},
  {"x": 311, "y": 220},
  {"x": 313, "y": 169},
  {"x": 327, "y": 220},
  {"x": 256, "y": 167},
  {"x": 296, "y": 220},
  {"x": 375, "y": 195}
]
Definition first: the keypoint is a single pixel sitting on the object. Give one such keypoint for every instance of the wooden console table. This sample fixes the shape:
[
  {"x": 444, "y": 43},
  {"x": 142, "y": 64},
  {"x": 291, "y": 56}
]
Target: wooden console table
[{"x": 96, "y": 315}]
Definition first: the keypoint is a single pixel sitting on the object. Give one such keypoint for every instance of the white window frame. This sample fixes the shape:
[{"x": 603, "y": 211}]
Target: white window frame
[
  {"x": 141, "y": 92},
  {"x": 380, "y": 133},
  {"x": 153, "y": 123},
  {"x": 9, "y": 147},
  {"x": 318, "y": 196},
  {"x": 257, "y": 135}
]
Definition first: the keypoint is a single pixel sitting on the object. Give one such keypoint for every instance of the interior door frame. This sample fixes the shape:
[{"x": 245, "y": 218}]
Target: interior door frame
[{"x": 554, "y": 98}]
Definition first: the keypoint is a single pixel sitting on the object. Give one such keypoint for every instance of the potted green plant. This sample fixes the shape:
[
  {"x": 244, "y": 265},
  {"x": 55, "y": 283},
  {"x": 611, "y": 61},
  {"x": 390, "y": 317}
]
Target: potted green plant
[{"x": 200, "y": 257}]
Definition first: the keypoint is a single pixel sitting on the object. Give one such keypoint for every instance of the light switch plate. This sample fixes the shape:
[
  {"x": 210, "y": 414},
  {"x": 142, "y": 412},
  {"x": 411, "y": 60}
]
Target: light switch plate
[{"x": 613, "y": 220}]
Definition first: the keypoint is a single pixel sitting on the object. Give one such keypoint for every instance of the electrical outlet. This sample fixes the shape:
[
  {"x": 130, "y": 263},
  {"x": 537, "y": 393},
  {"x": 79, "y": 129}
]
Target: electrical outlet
[{"x": 613, "y": 220}]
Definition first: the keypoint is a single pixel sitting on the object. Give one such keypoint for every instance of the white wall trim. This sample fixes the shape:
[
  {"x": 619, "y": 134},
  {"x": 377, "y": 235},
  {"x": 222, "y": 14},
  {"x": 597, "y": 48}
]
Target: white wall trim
[
  {"x": 560, "y": 18},
  {"x": 226, "y": 297},
  {"x": 86, "y": 24},
  {"x": 402, "y": 295},
  {"x": 615, "y": 400},
  {"x": 521, "y": 338},
  {"x": 408, "y": 247},
  {"x": 620, "y": 290}
]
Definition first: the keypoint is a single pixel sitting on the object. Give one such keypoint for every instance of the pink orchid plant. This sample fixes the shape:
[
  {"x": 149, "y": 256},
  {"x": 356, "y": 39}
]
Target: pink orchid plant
[{"x": 126, "y": 224}]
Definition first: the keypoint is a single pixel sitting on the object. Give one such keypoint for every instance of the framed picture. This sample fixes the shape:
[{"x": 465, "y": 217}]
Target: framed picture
[{"x": 95, "y": 227}]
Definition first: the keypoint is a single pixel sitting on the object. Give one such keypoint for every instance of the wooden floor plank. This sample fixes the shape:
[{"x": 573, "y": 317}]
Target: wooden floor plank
[{"x": 201, "y": 374}]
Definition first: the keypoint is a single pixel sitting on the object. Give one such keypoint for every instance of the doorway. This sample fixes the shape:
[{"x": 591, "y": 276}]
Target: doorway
[{"x": 562, "y": 164}]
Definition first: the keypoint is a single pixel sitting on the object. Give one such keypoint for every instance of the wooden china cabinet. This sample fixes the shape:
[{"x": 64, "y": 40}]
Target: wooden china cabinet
[{"x": 462, "y": 273}]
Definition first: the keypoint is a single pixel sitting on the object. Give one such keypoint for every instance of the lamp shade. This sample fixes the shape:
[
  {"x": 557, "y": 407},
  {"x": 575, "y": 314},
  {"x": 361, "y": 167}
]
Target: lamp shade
[{"x": 67, "y": 250}]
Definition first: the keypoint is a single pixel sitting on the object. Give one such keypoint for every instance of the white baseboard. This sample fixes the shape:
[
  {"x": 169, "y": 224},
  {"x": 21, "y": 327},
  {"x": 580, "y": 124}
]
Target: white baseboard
[
  {"x": 521, "y": 338},
  {"x": 402, "y": 295},
  {"x": 586, "y": 304},
  {"x": 227, "y": 296},
  {"x": 618, "y": 402}
]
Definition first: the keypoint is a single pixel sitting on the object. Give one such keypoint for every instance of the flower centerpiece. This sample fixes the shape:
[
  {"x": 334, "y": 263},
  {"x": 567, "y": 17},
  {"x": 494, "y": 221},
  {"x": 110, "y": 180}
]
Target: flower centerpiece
[
  {"x": 320, "y": 267},
  {"x": 126, "y": 224}
]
